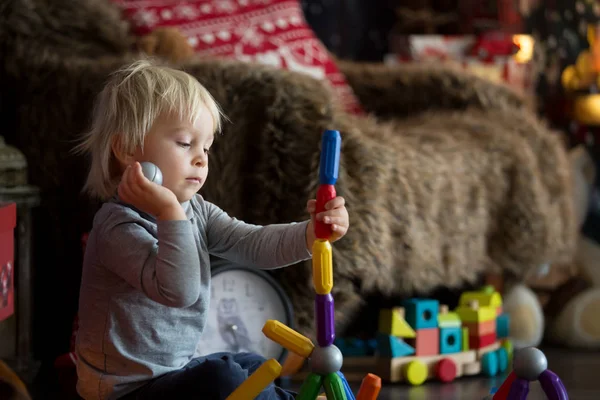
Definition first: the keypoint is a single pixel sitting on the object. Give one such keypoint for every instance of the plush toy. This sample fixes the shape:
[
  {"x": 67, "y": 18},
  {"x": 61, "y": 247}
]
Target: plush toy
[
  {"x": 564, "y": 294},
  {"x": 577, "y": 323},
  {"x": 167, "y": 43}
]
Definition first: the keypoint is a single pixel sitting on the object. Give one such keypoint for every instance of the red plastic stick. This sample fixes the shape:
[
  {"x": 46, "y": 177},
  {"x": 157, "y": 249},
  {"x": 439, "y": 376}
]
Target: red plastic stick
[
  {"x": 325, "y": 193},
  {"x": 502, "y": 393}
]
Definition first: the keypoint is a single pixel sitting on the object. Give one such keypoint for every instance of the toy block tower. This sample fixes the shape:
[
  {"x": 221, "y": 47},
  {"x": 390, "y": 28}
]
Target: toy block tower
[
  {"x": 422, "y": 316},
  {"x": 488, "y": 297},
  {"x": 480, "y": 322},
  {"x": 393, "y": 329},
  {"x": 450, "y": 327}
]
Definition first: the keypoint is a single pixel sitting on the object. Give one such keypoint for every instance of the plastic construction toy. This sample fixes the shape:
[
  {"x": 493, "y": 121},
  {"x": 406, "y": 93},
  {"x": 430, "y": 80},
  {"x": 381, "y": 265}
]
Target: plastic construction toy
[
  {"x": 325, "y": 358},
  {"x": 530, "y": 364},
  {"x": 152, "y": 172}
]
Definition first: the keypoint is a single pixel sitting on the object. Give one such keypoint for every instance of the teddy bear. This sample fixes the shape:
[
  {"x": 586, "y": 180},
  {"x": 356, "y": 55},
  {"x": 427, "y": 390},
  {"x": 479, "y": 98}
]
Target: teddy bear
[
  {"x": 558, "y": 304},
  {"x": 576, "y": 323},
  {"x": 555, "y": 302}
]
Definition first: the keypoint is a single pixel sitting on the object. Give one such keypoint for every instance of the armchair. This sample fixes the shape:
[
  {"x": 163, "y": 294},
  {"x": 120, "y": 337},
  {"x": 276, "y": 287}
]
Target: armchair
[{"x": 447, "y": 177}]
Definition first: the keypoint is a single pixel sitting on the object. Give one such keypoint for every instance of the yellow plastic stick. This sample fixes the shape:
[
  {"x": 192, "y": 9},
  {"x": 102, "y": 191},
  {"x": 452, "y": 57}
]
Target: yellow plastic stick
[
  {"x": 288, "y": 338},
  {"x": 322, "y": 261},
  {"x": 257, "y": 382}
]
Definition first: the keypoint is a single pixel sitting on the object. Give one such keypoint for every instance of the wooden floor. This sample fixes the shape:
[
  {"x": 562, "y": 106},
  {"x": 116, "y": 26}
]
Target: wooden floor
[{"x": 579, "y": 371}]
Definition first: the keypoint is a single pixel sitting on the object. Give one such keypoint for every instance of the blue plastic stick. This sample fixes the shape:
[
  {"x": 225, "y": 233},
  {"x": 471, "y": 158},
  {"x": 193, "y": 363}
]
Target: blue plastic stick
[
  {"x": 330, "y": 157},
  {"x": 349, "y": 394}
]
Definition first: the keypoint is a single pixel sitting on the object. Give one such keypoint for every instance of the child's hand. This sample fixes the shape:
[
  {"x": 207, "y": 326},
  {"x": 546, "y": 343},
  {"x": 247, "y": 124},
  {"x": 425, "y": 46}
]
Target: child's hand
[
  {"x": 147, "y": 196},
  {"x": 335, "y": 214}
]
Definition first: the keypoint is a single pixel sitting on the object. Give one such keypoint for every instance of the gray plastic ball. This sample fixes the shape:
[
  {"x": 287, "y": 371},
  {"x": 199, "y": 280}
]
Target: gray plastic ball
[
  {"x": 529, "y": 363},
  {"x": 152, "y": 172},
  {"x": 326, "y": 360}
]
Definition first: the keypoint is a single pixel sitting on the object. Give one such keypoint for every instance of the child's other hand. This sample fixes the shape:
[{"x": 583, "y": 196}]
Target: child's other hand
[
  {"x": 147, "y": 196},
  {"x": 335, "y": 214}
]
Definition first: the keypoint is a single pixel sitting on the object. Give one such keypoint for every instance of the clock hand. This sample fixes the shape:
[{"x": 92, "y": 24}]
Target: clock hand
[{"x": 234, "y": 329}]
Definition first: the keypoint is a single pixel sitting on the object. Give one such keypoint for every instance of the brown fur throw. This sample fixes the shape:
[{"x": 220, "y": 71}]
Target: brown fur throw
[{"x": 456, "y": 177}]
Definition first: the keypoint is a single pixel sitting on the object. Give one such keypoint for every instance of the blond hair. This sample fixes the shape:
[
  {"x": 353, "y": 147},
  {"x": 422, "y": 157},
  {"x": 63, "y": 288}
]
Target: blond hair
[{"x": 133, "y": 98}]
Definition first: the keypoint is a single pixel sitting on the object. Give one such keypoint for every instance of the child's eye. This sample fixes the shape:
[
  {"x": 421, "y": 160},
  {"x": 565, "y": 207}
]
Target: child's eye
[
  {"x": 206, "y": 151},
  {"x": 183, "y": 144}
]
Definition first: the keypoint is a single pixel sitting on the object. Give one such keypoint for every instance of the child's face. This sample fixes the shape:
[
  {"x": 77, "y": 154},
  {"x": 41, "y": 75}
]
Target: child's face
[{"x": 180, "y": 149}]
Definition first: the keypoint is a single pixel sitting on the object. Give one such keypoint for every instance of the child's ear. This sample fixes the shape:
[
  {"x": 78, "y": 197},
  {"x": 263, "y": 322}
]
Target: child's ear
[{"x": 117, "y": 149}]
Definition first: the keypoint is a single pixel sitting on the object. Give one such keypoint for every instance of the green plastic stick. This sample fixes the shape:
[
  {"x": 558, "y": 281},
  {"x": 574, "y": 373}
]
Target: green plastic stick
[
  {"x": 310, "y": 388},
  {"x": 334, "y": 387}
]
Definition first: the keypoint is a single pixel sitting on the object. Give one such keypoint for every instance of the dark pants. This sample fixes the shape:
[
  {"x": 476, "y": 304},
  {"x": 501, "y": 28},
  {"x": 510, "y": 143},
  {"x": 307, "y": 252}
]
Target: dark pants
[{"x": 212, "y": 377}]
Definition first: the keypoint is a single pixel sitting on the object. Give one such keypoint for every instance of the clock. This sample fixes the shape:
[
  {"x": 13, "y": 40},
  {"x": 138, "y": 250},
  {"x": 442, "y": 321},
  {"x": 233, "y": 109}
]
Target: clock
[{"x": 242, "y": 299}]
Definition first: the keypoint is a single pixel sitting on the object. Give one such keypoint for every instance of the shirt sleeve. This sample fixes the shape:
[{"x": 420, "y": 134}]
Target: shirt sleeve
[
  {"x": 166, "y": 269},
  {"x": 266, "y": 247}
]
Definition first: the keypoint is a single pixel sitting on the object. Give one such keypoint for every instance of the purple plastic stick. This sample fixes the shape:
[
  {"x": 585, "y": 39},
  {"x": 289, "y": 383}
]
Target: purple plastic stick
[
  {"x": 552, "y": 385},
  {"x": 518, "y": 390},
  {"x": 324, "y": 311}
]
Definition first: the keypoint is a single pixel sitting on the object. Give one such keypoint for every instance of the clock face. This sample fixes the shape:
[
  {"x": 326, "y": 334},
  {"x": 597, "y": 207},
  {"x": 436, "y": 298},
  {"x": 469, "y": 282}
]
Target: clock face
[{"x": 241, "y": 301}]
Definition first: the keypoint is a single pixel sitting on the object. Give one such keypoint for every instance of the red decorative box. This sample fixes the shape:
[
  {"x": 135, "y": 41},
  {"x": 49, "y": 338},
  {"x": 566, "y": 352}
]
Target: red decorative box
[{"x": 8, "y": 222}]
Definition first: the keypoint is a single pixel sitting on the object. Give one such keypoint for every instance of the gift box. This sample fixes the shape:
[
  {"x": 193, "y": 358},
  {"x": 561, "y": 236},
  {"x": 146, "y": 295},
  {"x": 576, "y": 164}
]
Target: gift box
[{"x": 496, "y": 56}]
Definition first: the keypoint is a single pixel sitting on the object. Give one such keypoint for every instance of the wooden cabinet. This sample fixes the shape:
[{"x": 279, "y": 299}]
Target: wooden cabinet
[{"x": 8, "y": 221}]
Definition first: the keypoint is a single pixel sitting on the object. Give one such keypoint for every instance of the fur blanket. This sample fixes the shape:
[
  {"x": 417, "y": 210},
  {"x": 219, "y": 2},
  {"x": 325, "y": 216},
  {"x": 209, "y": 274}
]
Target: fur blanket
[{"x": 451, "y": 176}]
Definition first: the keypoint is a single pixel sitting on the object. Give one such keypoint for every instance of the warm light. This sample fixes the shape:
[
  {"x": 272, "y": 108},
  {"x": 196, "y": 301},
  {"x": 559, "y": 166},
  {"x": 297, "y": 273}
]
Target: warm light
[{"x": 525, "y": 43}]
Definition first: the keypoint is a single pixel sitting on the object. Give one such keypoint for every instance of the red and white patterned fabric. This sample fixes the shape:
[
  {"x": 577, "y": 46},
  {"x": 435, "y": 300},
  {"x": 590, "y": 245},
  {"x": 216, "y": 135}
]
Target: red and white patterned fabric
[{"x": 272, "y": 32}]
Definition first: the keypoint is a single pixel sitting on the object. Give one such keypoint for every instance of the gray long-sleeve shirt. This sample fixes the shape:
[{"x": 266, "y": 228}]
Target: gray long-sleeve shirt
[{"x": 145, "y": 288}]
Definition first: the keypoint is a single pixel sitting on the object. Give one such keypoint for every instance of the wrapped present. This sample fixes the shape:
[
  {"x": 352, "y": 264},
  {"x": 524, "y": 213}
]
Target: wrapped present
[{"x": 497, "y": 56}]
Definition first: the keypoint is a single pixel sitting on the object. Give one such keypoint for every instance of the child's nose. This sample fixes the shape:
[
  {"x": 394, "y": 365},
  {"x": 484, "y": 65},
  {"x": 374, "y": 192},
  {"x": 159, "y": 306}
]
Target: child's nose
[{"x": 200, "y": 160}]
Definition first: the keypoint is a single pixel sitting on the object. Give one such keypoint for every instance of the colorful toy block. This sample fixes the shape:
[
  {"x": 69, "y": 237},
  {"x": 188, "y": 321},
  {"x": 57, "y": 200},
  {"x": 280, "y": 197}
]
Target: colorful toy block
[
  {"x": 489, "y": 363},
  {"x": 481, "y": 328},
  {"x": 502, "y": 359},
  {"x": 450, "y": 340},
  {"x": 446, "y": 370},
  {"x": 473, "y": 312},
  {"x": 392, "y": 322},
  {"x": 392, "y": 346},
  {"x": 416, "y": 372},
  {"x": 426, "y": 343},
  {"x": 486, "y": 297},
  {"x": 422, "y": 313},
  {"x": 507, "y": 345},
  {"x": 448, "y": 319},
  {"x": 465, "y": 339},
  {"x": 477, "y": 342},
  {"x": 503, "y": 325}
]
